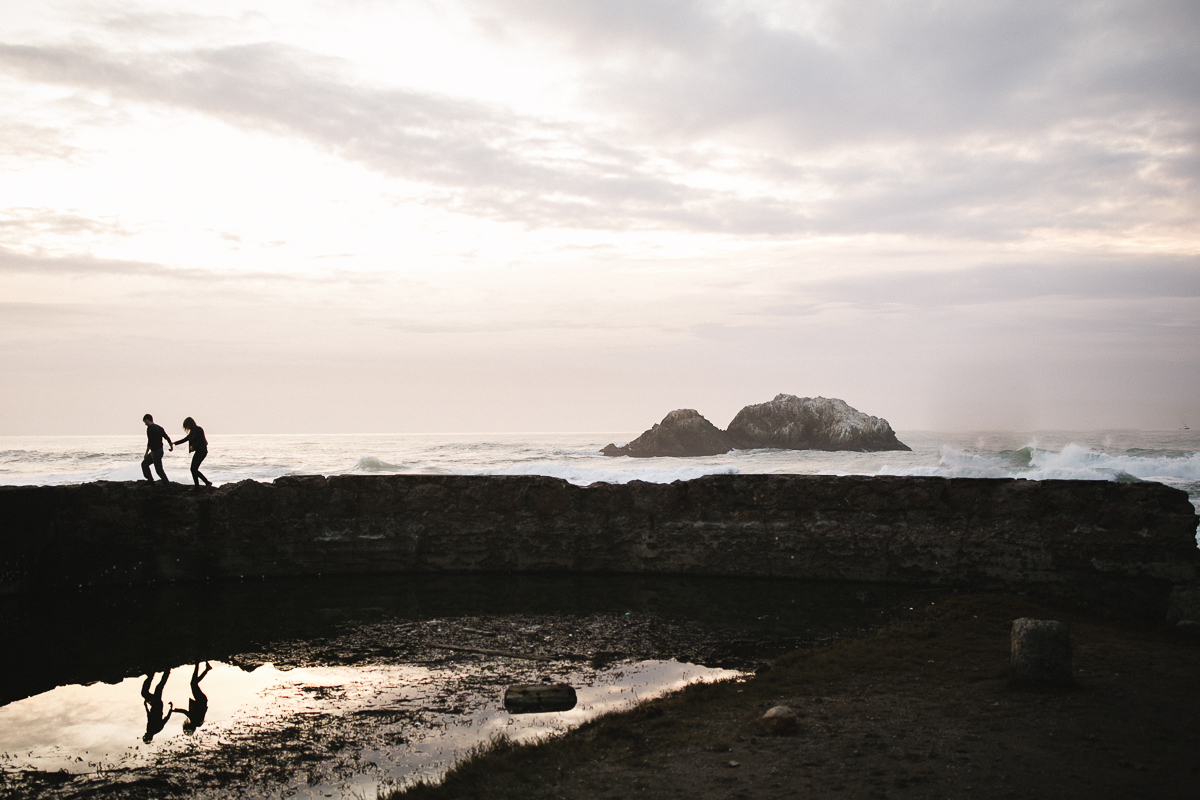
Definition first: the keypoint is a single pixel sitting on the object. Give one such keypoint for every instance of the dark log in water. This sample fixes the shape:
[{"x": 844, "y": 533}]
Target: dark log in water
[
  {"x": 1119, "y": 543},
  {"x": 534, "y": 698}
]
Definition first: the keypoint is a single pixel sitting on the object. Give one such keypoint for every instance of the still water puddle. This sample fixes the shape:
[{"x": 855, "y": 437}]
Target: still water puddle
[
  {"x": 340, "y": 686},
  {"x": 352, "y": 729}
]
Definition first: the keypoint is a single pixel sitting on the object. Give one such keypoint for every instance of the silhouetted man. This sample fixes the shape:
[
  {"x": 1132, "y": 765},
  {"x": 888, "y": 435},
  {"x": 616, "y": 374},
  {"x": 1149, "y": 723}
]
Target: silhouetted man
[
  {"x": 156, "y": 720},
  {"x": 155, "y": 436}
]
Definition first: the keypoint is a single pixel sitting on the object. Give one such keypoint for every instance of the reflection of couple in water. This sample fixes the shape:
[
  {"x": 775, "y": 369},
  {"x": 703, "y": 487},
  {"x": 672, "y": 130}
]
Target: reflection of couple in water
[{"x": 156, "y": 720}]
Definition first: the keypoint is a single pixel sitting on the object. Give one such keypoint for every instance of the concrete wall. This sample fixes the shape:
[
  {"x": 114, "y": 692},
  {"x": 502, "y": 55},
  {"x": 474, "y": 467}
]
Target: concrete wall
[{"x": 1122, "y": 543}]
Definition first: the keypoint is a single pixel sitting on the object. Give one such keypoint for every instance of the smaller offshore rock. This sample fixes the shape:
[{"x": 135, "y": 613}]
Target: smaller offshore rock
[
  {"x": 779, "y": 721},
  {"x": 682, "y": 433},
  {"x": 1041, "y": 651},
  {"x": 811, "y": 423}
]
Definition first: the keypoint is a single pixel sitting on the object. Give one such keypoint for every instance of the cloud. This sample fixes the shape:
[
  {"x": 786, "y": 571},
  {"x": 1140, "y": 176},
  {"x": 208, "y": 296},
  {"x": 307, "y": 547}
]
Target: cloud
[
  {"x": 497, "y": 162},
  {"x": 12, "y": 261},
  {"x": 22, "y": 224},
  {"x": 969, "y": 121},
  {"x": 177, "y": 24},
  {"x": 834, "y": 73},
  {"x": 85, "y": 264},
  {"x": 20, "y": 317},
  {"x": 975, "y": 119},
  {"x": 1096, "y": 278},
  {"x": 22, "y": 144}
]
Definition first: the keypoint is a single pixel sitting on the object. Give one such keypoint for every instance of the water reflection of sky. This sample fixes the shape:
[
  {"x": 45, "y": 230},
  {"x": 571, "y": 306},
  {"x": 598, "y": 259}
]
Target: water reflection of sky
[{"x": 445, "y": 711}]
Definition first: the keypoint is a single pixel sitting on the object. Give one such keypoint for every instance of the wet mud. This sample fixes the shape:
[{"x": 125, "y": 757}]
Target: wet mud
[{"x": 365, "y": 692}]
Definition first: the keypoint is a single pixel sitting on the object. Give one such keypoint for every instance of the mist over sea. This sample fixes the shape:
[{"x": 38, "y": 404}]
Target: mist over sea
[{"x": 1170, "y": 456}]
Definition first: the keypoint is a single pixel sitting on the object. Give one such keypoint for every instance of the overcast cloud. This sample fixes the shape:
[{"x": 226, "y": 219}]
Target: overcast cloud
[{"x": 769, "y": 196}]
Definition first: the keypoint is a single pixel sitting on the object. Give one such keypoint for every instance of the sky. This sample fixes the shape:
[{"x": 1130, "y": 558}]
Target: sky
[{"x": 561, "y": 215}]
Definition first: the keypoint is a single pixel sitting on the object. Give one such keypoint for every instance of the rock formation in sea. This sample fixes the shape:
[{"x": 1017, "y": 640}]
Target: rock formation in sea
[
  {"x": 810, "y": 423},
  {"x": 683, "y": 432}
]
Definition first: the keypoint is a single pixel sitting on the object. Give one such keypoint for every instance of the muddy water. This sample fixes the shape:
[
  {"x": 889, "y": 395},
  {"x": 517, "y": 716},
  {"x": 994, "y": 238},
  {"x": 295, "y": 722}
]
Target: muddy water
[
  {"x": 348, "y": 730},
  {"x": 336, "y": 688}
]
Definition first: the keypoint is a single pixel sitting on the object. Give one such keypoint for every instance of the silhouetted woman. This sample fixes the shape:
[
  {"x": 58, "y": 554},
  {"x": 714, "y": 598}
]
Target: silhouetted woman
[
  {"x": 198, "y": 704},
  {"x": 198, "y": 446}
]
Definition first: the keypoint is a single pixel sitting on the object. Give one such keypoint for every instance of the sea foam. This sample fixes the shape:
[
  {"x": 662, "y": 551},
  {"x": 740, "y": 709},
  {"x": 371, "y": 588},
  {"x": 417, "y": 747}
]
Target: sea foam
[
  {"x": 372, "y": 464},
  {"x": 1073, "y": 462}
]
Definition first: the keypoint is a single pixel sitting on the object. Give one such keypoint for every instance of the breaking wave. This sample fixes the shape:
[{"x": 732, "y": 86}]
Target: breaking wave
[
  {"x": 372, "y": 464},
  {"x": 1073, "y": 462},
  {"x": 584, "y": 475}
]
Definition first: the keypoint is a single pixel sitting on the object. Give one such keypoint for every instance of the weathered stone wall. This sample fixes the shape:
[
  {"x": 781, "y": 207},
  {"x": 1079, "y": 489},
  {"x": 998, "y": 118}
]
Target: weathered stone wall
[{"x": 1123, "y": 543}]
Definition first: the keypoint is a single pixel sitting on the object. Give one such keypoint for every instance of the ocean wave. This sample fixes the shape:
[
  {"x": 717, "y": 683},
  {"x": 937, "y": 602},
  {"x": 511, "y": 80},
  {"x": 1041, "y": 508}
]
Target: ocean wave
[
  {"x": 123, "y": 472},
  {"x": 584, "y": 475},
  {"x": 1073, "y": 462},
  {"x": 373, "y": 464},
  {"x": 1019, "y": 458},
  {"x": 67, "y": 457},
  {"x": 1073, "y": 456}
]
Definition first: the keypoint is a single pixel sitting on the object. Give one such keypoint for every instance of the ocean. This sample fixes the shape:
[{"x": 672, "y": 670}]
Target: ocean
[
  {"x": 1167, "y": 456},
  {"x": 91, "y": 722}
]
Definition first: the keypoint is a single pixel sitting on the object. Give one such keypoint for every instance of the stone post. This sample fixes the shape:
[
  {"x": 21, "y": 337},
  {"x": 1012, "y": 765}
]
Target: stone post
[{"x": 1041, "y": 651}]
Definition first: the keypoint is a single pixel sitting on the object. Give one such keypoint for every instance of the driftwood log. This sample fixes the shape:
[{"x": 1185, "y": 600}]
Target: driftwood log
[{"x": 535, "y": 698}]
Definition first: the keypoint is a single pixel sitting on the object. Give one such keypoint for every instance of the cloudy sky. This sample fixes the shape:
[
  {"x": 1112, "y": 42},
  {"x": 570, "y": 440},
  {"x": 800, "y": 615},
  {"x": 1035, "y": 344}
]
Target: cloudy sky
[{"x": 570, "y": 215}]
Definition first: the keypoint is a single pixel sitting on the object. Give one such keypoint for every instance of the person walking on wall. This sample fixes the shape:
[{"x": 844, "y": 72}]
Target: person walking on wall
[
  {"x": 155, "y": 436},
  {"x": 198, "y": 447}
]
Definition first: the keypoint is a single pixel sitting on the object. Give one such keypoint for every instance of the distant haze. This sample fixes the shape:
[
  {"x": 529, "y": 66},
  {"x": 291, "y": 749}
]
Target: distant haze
[{"x": 555, "y": 215}]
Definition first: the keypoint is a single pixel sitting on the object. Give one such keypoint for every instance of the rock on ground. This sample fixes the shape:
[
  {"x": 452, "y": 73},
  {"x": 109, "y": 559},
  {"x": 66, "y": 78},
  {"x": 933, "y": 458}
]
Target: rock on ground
[
  {"x": 1041, "y": 651},
  {"x": 1185, "y": 604},
  {"x": 681, "y": 433},
  {"x": 779, "y": 721},
  {"x": 811, "y": 423}
]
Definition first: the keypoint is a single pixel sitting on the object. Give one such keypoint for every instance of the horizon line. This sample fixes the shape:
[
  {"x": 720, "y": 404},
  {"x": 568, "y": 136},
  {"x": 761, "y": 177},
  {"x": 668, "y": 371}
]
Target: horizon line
[{"x": 593, "y": 432}]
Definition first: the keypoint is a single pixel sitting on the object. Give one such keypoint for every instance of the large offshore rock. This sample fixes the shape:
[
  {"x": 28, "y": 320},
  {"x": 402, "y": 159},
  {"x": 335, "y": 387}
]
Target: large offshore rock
[
  {"x": 681, "y": 433},
  {"x": 811, "y": 423}
]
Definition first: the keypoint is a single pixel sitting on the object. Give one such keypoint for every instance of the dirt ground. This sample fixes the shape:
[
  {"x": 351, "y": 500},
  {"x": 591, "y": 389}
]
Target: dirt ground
[{"x": 924, "y": 709}]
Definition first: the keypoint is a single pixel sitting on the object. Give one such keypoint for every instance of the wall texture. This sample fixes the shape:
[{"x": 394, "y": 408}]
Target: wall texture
[{"x": 1115, "y": 543}]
